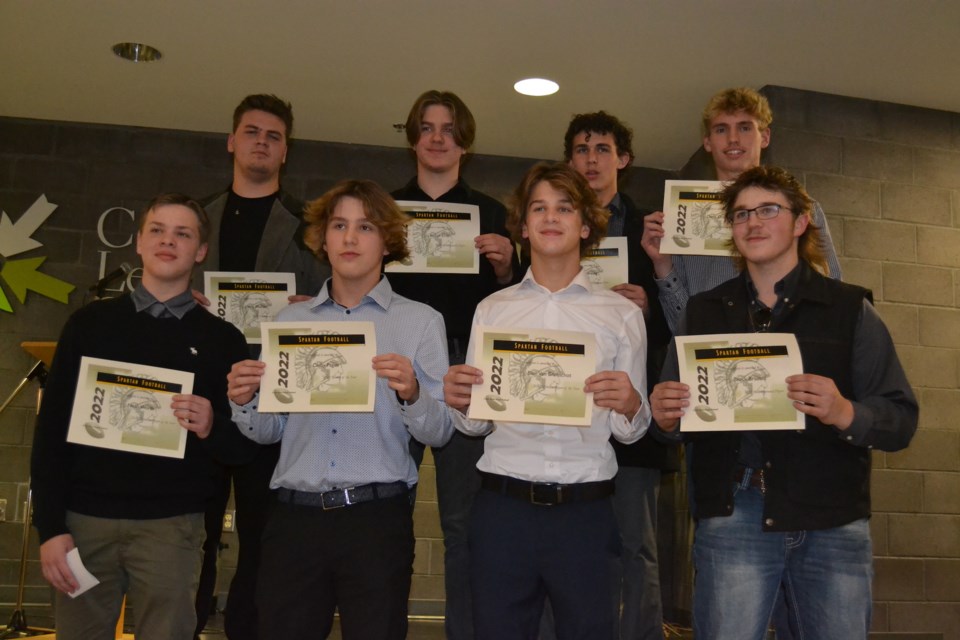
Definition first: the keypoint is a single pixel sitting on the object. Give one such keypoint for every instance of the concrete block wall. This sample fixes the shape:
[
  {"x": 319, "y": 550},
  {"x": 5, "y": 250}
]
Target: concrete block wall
[
  {"x": 86, "y": 170},
  {"x": 888, "y": 177}
]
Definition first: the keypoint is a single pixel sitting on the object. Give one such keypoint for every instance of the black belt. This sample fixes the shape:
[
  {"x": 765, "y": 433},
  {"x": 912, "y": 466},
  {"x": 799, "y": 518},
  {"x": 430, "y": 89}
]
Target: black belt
[
  {"x": 343, "y": 497},
  {"x": 546, "y": 493}
]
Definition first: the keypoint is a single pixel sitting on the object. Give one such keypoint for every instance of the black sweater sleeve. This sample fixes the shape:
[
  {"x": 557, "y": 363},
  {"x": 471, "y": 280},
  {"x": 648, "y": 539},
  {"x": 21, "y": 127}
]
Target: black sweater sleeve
[{"x": 50, "y": 459}]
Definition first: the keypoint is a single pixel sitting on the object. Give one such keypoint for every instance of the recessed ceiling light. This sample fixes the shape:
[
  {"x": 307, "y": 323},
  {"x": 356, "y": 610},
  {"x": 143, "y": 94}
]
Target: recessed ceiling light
[
  {"x": 136, "y": 52},
  {"x": 536, "y": 87}
]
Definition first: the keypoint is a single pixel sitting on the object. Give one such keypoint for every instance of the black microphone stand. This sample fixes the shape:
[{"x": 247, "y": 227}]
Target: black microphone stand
[{"x": 18, "y": 627}]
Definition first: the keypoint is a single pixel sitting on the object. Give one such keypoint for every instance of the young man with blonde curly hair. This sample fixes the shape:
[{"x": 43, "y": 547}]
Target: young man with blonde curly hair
[{"x": 736, "y": 129}]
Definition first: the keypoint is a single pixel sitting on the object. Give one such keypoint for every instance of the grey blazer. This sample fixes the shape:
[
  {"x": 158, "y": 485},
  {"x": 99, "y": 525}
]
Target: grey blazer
[{"x": 281, "y": 247}]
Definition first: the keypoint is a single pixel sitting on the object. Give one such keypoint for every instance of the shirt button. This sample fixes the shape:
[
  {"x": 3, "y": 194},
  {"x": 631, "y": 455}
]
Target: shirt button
[
  {"x": 334, "y": 430},
  {"x": 333, "y": 463},
  {"x": 849, "y": 438},
  {"x": 768, "y": 522},
  {"x": 347, "y": 311}
]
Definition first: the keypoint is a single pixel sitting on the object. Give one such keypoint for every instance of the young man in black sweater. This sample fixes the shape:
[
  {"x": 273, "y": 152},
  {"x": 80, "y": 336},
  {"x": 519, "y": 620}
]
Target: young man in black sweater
[{"x": 137, "y": 519}]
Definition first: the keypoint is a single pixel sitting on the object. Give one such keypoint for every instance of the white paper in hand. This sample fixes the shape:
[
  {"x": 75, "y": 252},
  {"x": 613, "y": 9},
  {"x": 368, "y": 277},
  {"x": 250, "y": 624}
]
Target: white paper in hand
[{"x": 85, "y": 579}]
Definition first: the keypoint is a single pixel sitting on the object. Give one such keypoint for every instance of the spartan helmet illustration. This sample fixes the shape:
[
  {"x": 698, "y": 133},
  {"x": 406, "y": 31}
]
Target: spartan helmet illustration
[
  {"x": 707, "y": 221},
  {"x": 134, "y": 410},
  {"x": 534, "y": 377},
  {"x": 742, "y": 383},
  {"x": 250, "y": 308},
  {"x": 319, "y": 368},
  {"x": 593, "y": 271},
  {"x": 433, "y": 238}
]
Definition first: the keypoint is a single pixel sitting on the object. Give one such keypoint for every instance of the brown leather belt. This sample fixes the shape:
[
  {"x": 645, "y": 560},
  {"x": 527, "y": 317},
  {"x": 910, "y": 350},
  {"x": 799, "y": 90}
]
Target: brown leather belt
[{"x": 546, "y": 493}]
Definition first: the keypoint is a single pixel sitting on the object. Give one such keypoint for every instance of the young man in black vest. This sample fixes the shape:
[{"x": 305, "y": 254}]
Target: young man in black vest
[{"x": 789, "y": 507}]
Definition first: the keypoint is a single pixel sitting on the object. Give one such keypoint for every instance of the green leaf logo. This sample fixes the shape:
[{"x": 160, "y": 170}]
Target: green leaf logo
[{"x": 23, "y": 275}]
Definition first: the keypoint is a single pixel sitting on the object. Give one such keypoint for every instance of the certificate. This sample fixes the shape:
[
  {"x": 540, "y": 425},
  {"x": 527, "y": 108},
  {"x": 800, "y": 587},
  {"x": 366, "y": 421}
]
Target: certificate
[
  {"x": 533, "y": 375},
  {"x": 440, "y": 238},
  {"x": 693, "y": 218},
  {"x": 126, "y": 407},
  {"x": 317, "y": 366},
  {"x": 247, "y": 299},
  {"x": 606, "y": 265},
  {"x": 738, "y": 381}
]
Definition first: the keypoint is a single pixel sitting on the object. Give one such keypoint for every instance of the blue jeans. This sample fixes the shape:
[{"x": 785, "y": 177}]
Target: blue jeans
[{"x": 827, "y": 576}]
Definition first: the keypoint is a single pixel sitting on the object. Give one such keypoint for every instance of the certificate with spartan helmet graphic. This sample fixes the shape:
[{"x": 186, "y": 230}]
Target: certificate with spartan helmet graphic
[
  {"x": 317, "y": 366},
  {"x": 607, "y": 265},
  {"x": 738, "y": 381},
  {"x": 247, "y": 299},
  {"x": 693, "y": 218},
  {"x": 440, "y": 238},
  {"x": 533, "y": 375},
  {"x": 126, "y": 407}
]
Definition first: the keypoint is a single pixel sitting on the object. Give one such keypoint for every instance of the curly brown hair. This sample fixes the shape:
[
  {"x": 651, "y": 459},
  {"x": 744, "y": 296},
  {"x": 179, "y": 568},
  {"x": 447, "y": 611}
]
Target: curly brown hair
[
  {"x": 378, "y": 206},
  {"x": 779, "y": 181},
  {"x": 567, "y": 180},
  {"x": 603, "y": 123}
]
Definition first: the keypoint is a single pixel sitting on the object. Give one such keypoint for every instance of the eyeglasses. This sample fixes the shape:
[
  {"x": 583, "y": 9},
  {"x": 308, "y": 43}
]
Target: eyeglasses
[{"x": 763, "y": 212}]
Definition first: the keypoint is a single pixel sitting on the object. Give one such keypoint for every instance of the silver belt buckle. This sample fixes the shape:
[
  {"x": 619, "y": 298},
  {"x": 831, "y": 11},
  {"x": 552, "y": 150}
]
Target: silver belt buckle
[{"x": 346, "y": 499}]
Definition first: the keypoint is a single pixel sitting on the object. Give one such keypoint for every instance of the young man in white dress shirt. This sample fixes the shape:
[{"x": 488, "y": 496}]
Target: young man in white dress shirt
[{"x": 543, "y": 525}]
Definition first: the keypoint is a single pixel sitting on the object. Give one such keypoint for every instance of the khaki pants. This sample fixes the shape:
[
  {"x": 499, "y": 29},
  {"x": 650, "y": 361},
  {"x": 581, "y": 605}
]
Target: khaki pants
[{"x": 155, "y": 562}]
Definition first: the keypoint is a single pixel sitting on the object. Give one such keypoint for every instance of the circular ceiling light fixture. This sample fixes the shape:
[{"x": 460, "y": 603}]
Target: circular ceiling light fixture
[
  {"x": 536, "y": 87},
  {"x": 136, "y": 52}
]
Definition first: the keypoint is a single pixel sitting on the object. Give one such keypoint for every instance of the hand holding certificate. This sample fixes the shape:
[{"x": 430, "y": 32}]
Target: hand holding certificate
[
  {"x": 440, "y": 237},
  {"x": 738, "y": 381},
  {"x": 318, "y": 366},
  {"x": 127, "y": 407},
  {"x": 607, "y": 265},
  {"x": 533, "y": 375}
]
